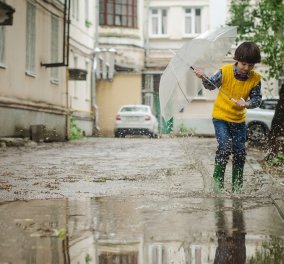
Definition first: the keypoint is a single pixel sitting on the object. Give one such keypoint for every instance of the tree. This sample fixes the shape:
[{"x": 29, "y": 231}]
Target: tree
[{"x": 262, "y": 22}]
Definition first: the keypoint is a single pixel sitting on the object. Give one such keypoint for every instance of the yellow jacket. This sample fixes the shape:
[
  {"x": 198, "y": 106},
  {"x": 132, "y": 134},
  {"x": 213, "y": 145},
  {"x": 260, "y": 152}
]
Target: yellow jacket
[{"x": 224, "y": 108}]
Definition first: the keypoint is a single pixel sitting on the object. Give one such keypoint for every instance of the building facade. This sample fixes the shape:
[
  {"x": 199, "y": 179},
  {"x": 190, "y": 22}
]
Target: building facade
[
  {"x": 81, "y": 97},
  {"x": 119, "y": 58},
  {"x": 170, "y": 24},
  {"x": 84, "y": 59},
  {"x": 32, "y": 96}
]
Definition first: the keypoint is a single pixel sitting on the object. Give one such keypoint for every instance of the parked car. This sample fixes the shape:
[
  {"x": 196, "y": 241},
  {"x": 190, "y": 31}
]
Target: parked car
[
  {"x": 259, "y": 120},
  {"x": 135, "y": 120}
]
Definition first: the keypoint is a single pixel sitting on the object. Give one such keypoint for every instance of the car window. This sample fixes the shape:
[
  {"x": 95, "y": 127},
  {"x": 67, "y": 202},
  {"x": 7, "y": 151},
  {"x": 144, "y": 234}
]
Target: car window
[
  {"x": 269, "y": 104},
  {"x": 134, "y": 109}
]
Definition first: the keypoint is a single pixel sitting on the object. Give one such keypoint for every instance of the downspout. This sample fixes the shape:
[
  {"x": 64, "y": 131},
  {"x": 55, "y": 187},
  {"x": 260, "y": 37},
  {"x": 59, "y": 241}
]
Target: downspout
[
  {"x": 67, "y": 119},
  {"x": 146, "y": 32},
  {"x": 95, "y": 108},
  {"x": 67, "y": 129}
]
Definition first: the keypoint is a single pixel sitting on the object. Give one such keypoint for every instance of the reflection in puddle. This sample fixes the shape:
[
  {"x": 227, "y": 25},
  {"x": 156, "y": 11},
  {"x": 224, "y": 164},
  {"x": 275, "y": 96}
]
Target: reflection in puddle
[
  {"x": 128, "y": 230},
  {"x": 231, "y": 240}
]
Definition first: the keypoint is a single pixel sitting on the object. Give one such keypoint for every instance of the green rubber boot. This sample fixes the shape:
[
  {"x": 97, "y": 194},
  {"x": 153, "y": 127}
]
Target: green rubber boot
[
  {"x": 218, "y": 176},
  {"x": 237, "y": 178}
]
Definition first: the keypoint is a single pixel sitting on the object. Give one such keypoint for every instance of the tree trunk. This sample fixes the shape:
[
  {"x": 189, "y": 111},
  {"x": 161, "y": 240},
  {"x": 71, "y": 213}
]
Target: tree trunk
[{"x": 276, "y": 134}]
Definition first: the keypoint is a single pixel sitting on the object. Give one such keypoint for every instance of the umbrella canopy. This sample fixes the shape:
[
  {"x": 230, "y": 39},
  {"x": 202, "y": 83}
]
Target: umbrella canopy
[{"x": 178, "y": 84}]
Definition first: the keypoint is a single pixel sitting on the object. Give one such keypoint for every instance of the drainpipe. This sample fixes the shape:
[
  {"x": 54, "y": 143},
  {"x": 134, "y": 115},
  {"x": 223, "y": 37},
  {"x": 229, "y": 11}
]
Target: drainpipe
[
  {"x": 67, "y": 119},
  {"x": 146, "y": 31},
  {"x": 95, "y": 108}
]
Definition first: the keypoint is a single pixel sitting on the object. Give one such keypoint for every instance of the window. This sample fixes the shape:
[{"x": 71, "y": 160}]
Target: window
[
  {"x": 30, "y": 38},
  {"x": 192, "y": 21},
  {"x": 87, "y": 81},
  {"x": 75, "y": 9},
  {"x": 75, "y": 82},
  {"x": 86, "y": 9},
  {"x": 54, "y": 47},
  {"x": 121, "y": 13},
  {"x": 150, "y": 89},
  {"x": 158, "y": 21},
  {"x": 2, "y": 45}
]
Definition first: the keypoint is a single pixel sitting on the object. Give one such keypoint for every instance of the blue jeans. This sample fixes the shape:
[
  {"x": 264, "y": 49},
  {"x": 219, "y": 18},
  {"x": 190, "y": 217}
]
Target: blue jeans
[{"x": 231, "y": 138}]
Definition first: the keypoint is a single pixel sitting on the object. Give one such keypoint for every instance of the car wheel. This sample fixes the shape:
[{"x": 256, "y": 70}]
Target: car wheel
[
  {"x": 119, "y": 134},
  {"x": 257, "y": 132},
  {"x": 149, "y": 134}
]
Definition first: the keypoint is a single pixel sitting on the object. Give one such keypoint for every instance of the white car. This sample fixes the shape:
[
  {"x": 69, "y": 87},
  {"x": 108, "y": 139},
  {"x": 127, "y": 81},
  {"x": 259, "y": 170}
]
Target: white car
[
  {"x": 259, "y": 120},
  {"x": 135, "y": 120}
]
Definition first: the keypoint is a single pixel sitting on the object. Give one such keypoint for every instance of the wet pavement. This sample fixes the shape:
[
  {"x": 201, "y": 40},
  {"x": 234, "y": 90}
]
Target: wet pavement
[{"x": 134, "y": 200}]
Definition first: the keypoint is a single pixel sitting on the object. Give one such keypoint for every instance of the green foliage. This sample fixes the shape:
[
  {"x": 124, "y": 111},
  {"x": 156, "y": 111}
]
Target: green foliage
[
  {"x": 75, "y": 131},
  {"x": 88, "y": 23},
  {"x": 271, "y": 252},
  {"x": 184, "y": 131},
  {"x": 60, "y": 233},
  {"x": 278, "y": 160},
  {"x": 263, "y": 24},
  {"x": 88, "y": 259},
  {"x": 168, "y": 125}
]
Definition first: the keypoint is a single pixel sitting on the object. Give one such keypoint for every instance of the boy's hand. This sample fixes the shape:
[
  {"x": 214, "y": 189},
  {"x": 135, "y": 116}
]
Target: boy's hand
[
  {"x": 199, "y": 73},
  {"x": 241, "y": 102}
]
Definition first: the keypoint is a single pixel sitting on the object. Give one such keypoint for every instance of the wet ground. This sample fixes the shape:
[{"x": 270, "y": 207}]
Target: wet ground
[{"x": 134, "y": 200}]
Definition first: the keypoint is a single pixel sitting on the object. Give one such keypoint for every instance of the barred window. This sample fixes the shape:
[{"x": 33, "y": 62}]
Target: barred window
[
  {"x": 30, "y": 38},
  {"x": 54, "y": 47},
  {"x": 120, "y": 13},
  {"x": 2, "y": 45}
]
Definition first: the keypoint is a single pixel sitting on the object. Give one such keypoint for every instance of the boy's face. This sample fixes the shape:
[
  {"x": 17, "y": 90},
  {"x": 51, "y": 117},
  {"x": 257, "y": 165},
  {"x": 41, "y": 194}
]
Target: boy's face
[{"x": 244, "y": 67}]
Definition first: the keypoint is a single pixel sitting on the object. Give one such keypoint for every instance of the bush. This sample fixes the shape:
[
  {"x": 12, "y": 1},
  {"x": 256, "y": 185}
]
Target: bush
[
  {"x": 75, "y": 132},
  {"x": 184, "y": 131}
]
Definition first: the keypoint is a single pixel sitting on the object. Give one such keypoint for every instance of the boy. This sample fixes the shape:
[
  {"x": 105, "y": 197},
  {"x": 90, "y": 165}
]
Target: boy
[{"x": 240, "y": 88}]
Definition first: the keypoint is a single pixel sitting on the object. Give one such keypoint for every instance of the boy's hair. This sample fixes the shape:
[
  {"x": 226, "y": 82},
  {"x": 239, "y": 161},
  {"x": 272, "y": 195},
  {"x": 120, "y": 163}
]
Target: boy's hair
[{"x": 248, "y": 52}]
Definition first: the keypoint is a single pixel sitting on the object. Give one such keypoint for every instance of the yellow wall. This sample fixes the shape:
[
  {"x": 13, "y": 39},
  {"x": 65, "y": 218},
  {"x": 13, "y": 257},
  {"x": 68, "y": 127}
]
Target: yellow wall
[{"x": 111, "y": 95}]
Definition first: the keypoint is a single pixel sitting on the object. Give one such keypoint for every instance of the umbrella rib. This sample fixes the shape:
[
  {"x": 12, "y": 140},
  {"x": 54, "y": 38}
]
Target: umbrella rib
[
  {"x": 191, "y": 67},
  {"x": 183, "y": 93}
]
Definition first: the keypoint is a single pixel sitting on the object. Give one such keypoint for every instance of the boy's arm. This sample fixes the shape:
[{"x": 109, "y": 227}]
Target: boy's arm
[
  {"x": 255, "y": 97},
  {"x": 216, "y": 79}
]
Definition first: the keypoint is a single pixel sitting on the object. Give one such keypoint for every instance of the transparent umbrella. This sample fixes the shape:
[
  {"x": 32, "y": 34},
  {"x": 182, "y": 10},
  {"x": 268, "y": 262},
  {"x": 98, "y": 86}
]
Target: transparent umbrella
[{"x": 178, "y": 84}]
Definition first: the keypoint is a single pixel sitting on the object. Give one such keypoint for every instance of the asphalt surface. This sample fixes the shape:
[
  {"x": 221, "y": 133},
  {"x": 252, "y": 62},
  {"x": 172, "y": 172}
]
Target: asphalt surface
[
  {"x": 131, "y": 198},
  {"x": 94, "y": 167}
]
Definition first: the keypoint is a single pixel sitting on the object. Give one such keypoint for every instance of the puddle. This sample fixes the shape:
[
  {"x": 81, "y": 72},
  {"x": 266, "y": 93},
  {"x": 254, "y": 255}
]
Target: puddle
[{"x": 148, "y": 230}]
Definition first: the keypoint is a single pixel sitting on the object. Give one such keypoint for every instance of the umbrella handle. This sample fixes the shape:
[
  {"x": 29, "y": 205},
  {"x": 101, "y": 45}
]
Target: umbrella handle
[{"x": 207, "y": 79}]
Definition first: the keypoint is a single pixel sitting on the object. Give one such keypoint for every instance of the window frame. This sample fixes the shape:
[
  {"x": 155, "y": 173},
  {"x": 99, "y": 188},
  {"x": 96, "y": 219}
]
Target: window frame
[
  {"x": 31, "y": 38},
  {"x": 193, "y": 17},
  {"x": 54, "y": 48},
  {"x": 75, "y": 87},
  {"x": 75, "y": 9},
  {"x": 2, "y": 46},
  {"x": 118, "y": 13},
  {"x": 159, "y": 16}
]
